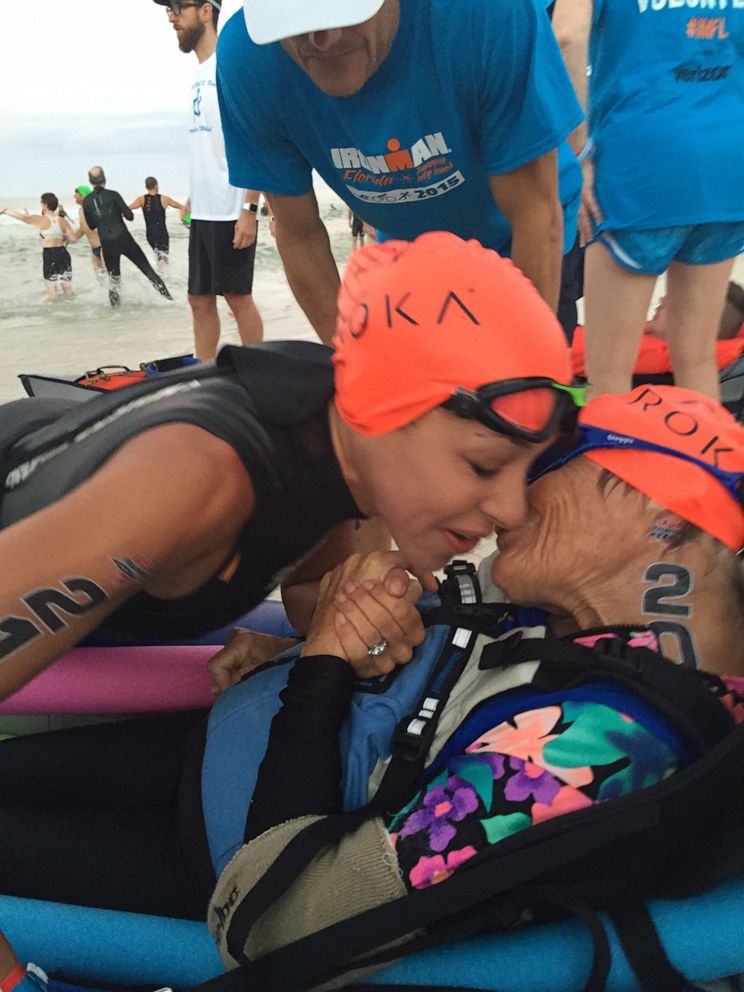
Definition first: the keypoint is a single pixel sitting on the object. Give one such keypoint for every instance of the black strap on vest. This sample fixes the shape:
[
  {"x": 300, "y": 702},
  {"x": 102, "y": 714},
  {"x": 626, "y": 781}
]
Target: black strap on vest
[
  {"x": 679, "y": 693},
  {"x": 295, "y": 857},
  {"x": 414, "y": 734},
  {"x": 645, "y": 952}
]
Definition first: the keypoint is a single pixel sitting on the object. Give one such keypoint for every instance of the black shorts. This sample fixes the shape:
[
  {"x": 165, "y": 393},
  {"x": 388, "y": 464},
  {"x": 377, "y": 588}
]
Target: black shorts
[
  {"x": 96, "y": 251},
  {"x": 572, "y": 289},
  {"x": 357, "y": 227},
  {"x": 215, "y": 267},
  {"x": 57, "y": 264}
]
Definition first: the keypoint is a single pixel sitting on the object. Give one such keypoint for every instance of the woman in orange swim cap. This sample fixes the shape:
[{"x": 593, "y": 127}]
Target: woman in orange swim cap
[
  {"x": 652, "y": 487},
  {"x": 450, "y": 373}
]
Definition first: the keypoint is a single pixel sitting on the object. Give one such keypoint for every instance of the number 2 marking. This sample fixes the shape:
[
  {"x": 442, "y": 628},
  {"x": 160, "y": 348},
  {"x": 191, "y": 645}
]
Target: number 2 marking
[
  {"x": 655, "y": 600},
  {"x": 47, "y": 605}
]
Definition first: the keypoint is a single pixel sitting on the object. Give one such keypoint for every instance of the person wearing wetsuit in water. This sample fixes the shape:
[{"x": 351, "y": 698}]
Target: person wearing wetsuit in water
[
  {"x": 154, "y": 205},
  {"x": 105, "y": 211}
]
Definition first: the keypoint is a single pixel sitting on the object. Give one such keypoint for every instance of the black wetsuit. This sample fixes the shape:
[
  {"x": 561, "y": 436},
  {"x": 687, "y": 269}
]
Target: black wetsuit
[
  {"x": 111, "y": 815},
  {"x": 108, "y": 816},
  {"x": 105, "y": 211},
  {"x": 157, "y": 232},
  {"x": 269, "y": 402}
]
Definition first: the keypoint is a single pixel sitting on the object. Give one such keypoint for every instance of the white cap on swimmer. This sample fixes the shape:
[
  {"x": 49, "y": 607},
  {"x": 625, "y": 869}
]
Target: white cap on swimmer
[{"x": 271, "y": 20}]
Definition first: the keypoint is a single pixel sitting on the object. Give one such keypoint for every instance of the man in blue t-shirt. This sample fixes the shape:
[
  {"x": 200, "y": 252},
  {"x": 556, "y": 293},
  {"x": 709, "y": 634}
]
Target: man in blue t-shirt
[{"x": 419, "y": 115}]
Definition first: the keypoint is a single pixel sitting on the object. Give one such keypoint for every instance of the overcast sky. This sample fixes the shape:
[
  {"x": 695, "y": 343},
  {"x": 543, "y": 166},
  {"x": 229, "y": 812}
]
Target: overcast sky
[{"x": 83, "y": 80}]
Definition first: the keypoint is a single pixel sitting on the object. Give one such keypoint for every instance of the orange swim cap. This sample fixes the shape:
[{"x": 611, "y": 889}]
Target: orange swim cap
[
  {"x": 417, "y": 320},
  {"x": 691, "y": 426}
]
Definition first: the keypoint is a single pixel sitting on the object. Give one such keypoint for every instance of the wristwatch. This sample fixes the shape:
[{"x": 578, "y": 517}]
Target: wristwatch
[{"x": 253, "y": 207}]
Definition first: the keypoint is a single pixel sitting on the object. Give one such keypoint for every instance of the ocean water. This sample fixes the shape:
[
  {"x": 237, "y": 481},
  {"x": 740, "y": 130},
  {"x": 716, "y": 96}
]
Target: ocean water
[
  {"x": 82, "y": 333},
  {"x": 73, "y": 336}
]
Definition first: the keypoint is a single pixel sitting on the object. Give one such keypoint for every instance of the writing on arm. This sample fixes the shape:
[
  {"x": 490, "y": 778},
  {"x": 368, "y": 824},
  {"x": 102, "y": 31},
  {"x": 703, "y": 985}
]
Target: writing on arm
[{"x": 165, "y": 530}]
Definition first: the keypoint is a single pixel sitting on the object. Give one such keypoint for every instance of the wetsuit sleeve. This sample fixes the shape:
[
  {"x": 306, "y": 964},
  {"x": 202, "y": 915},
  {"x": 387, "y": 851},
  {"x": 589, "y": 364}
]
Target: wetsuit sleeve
[
  {"x": 260, "y": 153},
  {"x": 125, "y": 211},
  {"x": 516, "y": 53},
  {"x": 301, "y": 772}
]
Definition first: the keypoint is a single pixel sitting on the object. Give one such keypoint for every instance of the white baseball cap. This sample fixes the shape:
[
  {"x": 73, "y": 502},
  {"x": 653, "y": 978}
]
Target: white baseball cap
[{"x": 271, "y": 20}]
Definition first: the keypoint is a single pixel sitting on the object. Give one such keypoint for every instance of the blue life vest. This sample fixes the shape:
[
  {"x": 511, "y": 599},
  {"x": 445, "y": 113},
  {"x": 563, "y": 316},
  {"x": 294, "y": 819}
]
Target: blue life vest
[
  {"x": 238, "y": 735},
  {"x": 240, "y": 721}
]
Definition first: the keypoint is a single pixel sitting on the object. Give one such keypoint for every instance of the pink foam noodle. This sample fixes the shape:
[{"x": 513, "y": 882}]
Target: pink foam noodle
[{"x": 109, "y": 680}]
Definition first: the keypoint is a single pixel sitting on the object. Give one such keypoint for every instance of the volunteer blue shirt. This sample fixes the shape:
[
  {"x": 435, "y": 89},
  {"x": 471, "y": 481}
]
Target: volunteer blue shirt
[
  {"x": 470, "y": 89},
  {"x": 666, "y": 111}
]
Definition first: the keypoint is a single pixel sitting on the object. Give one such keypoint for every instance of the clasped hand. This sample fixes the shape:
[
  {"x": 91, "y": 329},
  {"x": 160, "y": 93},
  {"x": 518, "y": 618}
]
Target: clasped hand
[{"x": 367, "y": 599}]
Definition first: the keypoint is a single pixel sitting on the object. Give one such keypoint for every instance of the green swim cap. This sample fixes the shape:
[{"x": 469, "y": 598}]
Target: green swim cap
[{"x": 83, "y": 190}]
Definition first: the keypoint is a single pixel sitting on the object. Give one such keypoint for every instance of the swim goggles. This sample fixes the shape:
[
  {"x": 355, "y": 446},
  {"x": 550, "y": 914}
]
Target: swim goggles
[
  {"x": 528, "y": 409},
  {"x": 590, "y": 438}
]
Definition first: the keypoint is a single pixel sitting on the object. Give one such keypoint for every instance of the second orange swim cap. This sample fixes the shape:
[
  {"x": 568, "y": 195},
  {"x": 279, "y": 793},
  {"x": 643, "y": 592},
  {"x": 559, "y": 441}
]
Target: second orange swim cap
[
  {"x": 699, "y": 431},
  {"x": 418, "y": 320}
]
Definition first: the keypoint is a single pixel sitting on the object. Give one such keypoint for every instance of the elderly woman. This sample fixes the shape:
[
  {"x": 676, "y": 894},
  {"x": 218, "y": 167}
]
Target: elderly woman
[
  {"x": 652, "y": 489},
  {"x": 632, "y": 538}
]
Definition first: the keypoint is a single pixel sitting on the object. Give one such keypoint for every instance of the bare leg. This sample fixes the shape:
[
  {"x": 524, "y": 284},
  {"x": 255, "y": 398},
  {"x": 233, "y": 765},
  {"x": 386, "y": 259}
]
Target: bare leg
[
  {"x": 250, "y": 325},
  {"x": 615, "y": 305},
  {"x": 98, "y": 267},
  {"x": 66, "y": 287},
  {"x": 51, "y": 289},
  {"x": 206, "y": 325},
  {"x": 695, "y": 299}
]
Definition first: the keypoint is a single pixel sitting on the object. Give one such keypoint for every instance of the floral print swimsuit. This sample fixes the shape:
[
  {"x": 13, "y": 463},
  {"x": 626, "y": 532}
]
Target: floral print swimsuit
[{"x": 524, "y": 757}]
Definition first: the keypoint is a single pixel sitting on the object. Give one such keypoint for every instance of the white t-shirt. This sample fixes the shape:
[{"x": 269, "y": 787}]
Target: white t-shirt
[{"x": 212, "y": 196}]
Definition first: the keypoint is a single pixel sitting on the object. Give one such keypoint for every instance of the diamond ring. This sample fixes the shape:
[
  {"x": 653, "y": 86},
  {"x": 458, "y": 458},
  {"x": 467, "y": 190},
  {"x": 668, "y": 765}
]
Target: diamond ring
[{"x": 377, "y": 649}]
